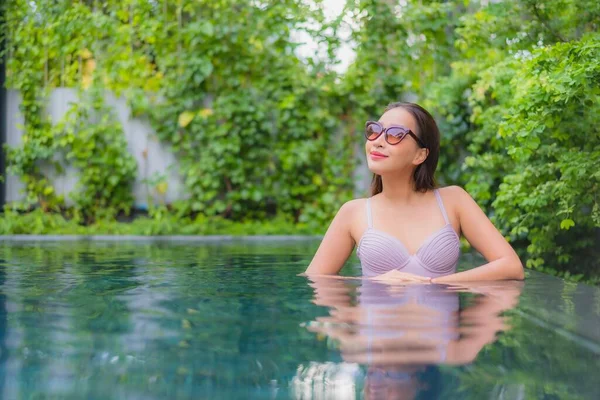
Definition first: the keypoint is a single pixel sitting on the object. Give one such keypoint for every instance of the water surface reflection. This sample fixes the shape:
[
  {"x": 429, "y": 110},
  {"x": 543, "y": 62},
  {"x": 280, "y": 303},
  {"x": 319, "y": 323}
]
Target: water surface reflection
[
  {"x": 233, "y": 320},
  {"x": 401, "y": 333}
]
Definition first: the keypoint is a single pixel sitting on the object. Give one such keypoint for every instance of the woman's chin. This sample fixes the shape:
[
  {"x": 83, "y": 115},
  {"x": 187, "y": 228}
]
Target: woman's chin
[{"x": 377, "y": 170}]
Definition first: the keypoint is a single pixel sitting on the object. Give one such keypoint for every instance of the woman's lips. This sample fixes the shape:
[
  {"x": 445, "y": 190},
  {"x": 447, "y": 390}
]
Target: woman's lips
[{"x": 377, "y": 156}]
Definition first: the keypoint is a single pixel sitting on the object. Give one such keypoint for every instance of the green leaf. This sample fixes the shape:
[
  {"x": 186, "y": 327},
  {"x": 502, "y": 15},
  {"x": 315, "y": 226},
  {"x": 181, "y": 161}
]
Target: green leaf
[
  {"x": 566, "y": 224},
  {"x": 185, "y": 118}
]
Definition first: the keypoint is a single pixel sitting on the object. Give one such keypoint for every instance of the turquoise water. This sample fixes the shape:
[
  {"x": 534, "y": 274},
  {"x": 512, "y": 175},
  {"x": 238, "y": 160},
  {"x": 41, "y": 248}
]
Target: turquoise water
[{"x": 220, "y": 320}]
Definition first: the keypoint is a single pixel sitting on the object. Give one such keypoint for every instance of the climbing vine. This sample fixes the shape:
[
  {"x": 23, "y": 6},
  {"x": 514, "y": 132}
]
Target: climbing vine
[{"x": 221, "y": 85}]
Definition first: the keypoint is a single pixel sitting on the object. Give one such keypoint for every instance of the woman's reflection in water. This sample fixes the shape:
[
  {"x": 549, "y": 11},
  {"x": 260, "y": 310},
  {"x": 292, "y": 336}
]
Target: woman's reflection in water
[{"x": 402, "y": 331}]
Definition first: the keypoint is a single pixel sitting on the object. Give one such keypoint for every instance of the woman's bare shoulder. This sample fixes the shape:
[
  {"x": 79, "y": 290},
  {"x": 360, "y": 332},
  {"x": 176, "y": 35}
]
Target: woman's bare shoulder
[
  {"x": 454, "y": 197},
  {"x": 354, "y": 213},
  {"x": 453, "y": 193},
  {"x": 351, "y": 207}
]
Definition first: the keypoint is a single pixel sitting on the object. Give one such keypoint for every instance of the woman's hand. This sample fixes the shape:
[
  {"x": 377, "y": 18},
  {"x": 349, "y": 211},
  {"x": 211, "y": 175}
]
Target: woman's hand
[{"x": 404, "y": 277}]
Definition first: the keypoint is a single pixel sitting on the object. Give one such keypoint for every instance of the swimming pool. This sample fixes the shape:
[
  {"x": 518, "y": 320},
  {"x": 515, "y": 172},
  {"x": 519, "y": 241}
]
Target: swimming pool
[{"x": 223, "y": 318}]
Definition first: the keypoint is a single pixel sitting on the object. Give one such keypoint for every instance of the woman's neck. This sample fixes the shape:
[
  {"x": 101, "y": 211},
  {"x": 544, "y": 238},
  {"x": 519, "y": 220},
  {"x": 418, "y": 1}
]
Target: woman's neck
[{"x": 398, "y": 189}]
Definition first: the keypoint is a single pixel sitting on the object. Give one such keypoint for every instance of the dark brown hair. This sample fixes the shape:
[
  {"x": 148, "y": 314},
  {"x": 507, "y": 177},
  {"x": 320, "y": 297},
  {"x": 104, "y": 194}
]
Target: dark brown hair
[{"x": 428, "y": 132}]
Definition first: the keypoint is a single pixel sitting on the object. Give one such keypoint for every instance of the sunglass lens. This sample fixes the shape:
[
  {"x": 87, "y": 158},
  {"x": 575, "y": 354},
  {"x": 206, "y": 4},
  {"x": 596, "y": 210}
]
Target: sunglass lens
[
  {"x": 395, "y": 135},
  {"x": 372, "y": 131}
]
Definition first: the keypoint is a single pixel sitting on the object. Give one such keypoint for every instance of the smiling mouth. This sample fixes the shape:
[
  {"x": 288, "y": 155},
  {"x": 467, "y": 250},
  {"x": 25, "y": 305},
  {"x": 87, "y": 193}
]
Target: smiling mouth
[{"x": 375, "y": 154}]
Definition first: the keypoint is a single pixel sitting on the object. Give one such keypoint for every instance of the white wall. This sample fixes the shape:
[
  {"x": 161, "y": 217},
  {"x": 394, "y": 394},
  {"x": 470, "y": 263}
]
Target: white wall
[{"x": 139, "y": 137}]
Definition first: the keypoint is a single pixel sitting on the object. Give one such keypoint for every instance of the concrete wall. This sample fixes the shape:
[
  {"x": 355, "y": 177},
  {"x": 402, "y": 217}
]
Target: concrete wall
[
  {"x": 141, "y": 140},
  {"x": 14, "y": 118}
]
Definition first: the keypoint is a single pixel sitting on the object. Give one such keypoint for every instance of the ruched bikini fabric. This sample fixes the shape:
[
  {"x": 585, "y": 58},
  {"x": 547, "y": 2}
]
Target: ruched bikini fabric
[{"x": 380, "y": 252}]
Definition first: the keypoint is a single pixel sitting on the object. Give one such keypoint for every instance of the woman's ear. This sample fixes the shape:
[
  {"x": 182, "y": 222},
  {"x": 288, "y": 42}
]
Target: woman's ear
[{"x": 421, "y": 156}]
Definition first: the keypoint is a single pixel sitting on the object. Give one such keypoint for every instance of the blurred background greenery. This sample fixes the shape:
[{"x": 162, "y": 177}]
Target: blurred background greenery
[{"x": 267, "y": 134}]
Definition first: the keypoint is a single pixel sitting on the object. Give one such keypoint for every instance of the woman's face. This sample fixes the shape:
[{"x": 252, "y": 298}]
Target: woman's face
[{"x": 405, "y": 155}]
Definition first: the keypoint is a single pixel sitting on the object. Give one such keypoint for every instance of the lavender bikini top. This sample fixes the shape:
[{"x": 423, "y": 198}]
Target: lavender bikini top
[{"x": 380, "y": 252}]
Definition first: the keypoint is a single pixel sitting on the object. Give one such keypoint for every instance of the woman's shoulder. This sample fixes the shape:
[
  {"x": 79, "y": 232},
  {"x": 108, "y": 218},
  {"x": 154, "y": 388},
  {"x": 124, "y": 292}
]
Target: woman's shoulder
[
  {"x": 453, "y": 192},
  {"x": 354, "y": 214},
  {"x": 455, "y": 198},
  {"x": 351, "y": 206},
  {"x": 353, "y": 211}
]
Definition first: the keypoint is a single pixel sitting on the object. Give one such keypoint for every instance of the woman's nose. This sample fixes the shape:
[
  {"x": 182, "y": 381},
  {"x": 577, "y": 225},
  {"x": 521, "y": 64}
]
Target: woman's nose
[{"x": 380, "y": 141}]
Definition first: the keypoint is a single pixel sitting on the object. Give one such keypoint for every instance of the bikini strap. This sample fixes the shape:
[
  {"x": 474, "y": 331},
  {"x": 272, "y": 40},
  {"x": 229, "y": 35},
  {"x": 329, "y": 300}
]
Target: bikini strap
[
  {"x": 369, "y": 216},
  {"x": 441, "y": 204}
]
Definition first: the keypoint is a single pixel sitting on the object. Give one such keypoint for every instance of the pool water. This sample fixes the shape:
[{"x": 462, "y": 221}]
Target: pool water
[{"x": 231, "y": 319}]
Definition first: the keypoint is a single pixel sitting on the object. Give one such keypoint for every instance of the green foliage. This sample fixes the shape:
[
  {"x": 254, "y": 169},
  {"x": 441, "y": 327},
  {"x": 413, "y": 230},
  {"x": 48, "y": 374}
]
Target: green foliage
[
  {"x": 160, "y": 221},
  {"x": 514, "y": 85},
  {"x": 259, "y": 132},
  {"x": 535, "y": 144},
  {"x": 552, "y": 137},
  {"x": 221, "y": 85},
  {"x": 89, "y": 139}
]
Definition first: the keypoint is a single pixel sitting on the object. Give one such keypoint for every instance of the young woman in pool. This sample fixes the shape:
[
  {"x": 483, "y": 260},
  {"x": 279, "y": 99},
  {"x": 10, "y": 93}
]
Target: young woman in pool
[{"x": 408, "y": 230}]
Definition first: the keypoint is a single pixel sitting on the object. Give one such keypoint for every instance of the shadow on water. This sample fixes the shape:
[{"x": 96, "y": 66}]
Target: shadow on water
[{"x": 233, "y": 320}]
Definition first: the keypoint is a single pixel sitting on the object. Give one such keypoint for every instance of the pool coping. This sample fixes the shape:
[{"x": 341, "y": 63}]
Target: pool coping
[{"x": 165, "y": 238}]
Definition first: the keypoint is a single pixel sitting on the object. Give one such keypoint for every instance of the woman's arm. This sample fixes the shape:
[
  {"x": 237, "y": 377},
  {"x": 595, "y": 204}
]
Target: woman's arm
[
  {"x": 480, "y": 322},
  {"x": 337, "y": 244},
  {"x": 503, "y": 261}
]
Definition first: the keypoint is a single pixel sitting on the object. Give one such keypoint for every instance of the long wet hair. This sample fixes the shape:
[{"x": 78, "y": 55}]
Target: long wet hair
[{"x": 428, "y": 132}]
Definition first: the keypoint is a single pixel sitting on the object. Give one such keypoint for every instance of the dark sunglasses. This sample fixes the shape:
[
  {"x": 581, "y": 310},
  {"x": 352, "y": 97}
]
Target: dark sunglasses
[{"x": 393, "y": 134}]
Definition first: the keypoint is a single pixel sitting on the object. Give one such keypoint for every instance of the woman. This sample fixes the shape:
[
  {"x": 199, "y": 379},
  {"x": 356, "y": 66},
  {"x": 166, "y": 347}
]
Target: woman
[{"x": 409, "y": 229}]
